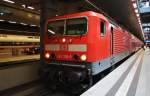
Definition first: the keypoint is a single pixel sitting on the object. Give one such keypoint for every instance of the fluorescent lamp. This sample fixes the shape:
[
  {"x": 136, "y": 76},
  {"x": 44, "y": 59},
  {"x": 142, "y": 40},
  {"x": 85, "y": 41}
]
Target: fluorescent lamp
[
  {"x": 137, "y": 15},
  {"x": 9, "y": 1},
  {"x": 147, "y": 4},
  {"x": 23, "y": 24},
  {"x": 133, "y": 0},
  {"x": 24, "y": 6},
  {"x": 12, "y": 22},
  {"x": 32, "y": 25},
  {"x": 1, "y": 14},
  {"x": 134, "y": 5},
  {"x": 1, "y": 20},
  {"x": 30, "y": 7},
  {"x": 136, "y": 10}
]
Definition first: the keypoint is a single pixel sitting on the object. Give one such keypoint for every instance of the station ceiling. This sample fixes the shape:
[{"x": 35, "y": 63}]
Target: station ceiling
[
  {"x": 18, "y": 19},
  {"x": 123, "y": 12},
  {"x": 120, "y": 10},
  {"x": 145, "y": 17}
]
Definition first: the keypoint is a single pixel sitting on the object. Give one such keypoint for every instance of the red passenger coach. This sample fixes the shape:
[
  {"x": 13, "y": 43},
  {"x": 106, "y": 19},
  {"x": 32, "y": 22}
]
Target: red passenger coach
[{"x": 82, "y": 45}]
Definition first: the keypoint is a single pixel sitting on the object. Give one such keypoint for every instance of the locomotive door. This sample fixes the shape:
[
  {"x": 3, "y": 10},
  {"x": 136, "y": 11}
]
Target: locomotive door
[{"x": 111, "y": 41}]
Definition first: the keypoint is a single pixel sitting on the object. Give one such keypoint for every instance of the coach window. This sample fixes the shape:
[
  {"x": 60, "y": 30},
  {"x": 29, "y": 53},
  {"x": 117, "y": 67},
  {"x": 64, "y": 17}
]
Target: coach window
[{"x": 102, "y": 28}]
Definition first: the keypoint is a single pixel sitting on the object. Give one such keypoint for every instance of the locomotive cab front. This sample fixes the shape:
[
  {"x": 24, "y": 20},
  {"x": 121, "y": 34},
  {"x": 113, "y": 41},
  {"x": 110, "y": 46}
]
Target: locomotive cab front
[
  {"x": 66, "y": 50},
  {"x": 74, "y": 49},
  {"x": 66, "y": 40}
]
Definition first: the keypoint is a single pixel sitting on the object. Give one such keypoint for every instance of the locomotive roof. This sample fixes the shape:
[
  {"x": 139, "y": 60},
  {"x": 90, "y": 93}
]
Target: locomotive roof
[
  {"x": 89, "y": 13},
  {"x": 86, "y": 13}
]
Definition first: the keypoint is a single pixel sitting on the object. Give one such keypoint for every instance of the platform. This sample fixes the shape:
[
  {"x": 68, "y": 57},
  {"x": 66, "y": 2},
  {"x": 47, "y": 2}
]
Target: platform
[
  {"x": 129, "y": 79},
  {"x": 143, "y": 88},
  {"x": 19, "y": 58},
  {"x": 18, "y": 74}
]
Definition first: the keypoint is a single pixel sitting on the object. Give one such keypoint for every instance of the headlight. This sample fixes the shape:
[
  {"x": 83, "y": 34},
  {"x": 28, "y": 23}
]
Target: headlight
[
  {"x": 47, "y": 55},
  {"x": 83, "y": 57}
]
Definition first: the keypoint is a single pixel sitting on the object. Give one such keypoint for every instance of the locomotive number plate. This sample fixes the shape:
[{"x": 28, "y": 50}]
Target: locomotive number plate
[{"x": 64, "y": 47}]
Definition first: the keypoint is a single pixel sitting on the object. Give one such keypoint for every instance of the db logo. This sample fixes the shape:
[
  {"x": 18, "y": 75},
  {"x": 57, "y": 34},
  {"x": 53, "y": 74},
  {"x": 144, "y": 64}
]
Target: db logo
[{"x": 64, "y": 47}]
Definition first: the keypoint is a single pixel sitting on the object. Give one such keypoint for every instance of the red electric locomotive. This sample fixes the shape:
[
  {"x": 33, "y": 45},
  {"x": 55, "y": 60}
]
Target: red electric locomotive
[{"x": 81, "y": 45}]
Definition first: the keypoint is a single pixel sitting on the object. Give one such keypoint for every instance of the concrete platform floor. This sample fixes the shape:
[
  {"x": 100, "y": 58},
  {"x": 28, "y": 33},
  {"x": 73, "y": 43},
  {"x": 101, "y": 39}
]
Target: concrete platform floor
[{"x": 143, "y": 87}]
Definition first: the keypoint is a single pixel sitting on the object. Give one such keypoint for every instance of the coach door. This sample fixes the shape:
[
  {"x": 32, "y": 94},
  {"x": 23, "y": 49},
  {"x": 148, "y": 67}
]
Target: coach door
[{"x": 111, "y": 41}]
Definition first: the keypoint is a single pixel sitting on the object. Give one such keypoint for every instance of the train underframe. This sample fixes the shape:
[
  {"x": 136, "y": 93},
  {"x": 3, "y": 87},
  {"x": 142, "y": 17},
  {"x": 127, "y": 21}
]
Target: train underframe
[{"x": 75, "y": 76}]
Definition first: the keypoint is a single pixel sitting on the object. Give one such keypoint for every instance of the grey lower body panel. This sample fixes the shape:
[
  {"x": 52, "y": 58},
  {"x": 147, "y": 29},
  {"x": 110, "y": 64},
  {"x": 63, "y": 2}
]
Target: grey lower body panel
[{"x": 102, "y": 65}]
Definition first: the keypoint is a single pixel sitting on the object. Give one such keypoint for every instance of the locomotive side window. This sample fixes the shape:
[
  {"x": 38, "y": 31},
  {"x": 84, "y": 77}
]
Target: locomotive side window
[{"x": 102, "y": 28}]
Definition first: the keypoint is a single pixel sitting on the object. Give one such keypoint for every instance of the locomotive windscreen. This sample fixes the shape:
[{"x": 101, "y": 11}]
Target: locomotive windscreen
[{"x": 74, "y": 26}]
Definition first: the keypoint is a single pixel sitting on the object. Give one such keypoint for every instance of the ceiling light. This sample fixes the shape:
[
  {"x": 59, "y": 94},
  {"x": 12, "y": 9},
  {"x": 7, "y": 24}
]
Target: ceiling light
[
  {"x": 32, "y": 25},
  {"x": 147, "y": 4},
  {"x": 1, "y": 20},
  {"x": 12, "y": 22},
  {"x": 23, "y": 24},
  {"x": 134, "y": 5},
  {"x": 138, "y": 18},
  {"x": 9, "y": 1},
  {"x": 30, "y": 7},
  {"x": 137, "y": 15},
  {"x": 1, "y": 14},
  {"x": 24, "y": 6},
  {"x": 136, "y": 10}
]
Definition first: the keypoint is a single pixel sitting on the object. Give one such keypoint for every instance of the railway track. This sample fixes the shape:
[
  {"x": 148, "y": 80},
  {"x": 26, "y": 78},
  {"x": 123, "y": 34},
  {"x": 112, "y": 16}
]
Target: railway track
[
  {"x": 46, "y": 92},
  {"x": 31, "y": 89},
  {"x": 23, "y": 87}
]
